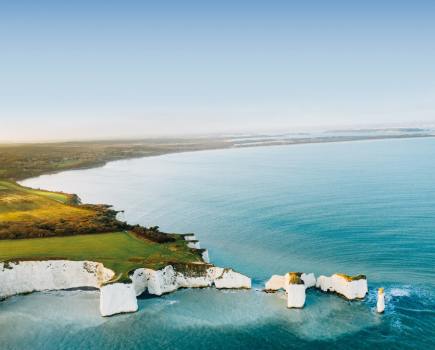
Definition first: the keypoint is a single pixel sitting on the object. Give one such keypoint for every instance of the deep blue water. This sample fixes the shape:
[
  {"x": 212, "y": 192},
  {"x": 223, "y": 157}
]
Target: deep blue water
[{"x": 356, "y": 207}]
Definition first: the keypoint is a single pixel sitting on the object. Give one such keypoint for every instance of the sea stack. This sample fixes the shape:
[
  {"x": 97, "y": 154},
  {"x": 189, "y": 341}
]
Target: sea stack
[
  {"x": 380, "y": 305},
  {"x": 295, "y": 289},
  {"x": 350, "y": 287},
  {"x": 276, "y": 282}
]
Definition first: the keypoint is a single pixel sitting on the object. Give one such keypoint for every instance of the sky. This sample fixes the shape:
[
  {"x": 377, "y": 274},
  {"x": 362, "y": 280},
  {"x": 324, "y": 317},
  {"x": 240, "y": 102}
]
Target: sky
[{"x": 107, "y": 69}]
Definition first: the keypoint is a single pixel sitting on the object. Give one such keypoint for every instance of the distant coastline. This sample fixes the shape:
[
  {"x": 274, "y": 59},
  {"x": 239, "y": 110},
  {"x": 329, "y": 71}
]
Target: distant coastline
[{"x": 23, "y": 161}]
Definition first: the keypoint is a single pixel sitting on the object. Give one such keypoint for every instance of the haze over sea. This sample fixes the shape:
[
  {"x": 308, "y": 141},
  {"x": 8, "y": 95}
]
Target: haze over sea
[{"x": 355, "y": 207}]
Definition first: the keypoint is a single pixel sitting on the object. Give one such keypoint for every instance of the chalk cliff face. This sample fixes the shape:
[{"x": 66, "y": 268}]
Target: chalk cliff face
[
  {"x": 295, "y": 284},
  {"x": 309, "y": 279},
  {"x": 295, "y": 295},
  {"x": 31, "y": 276},
  {"x": 295, "y": 289},
  {"x": 171, "y": 278},
  {"x": 277, "y": 282},
  {"x": 205, "y": 256},
  {"x": 344, "y": 285},
  {"x": 117, "y": 298},
  {"x": 120, "y": 298}
]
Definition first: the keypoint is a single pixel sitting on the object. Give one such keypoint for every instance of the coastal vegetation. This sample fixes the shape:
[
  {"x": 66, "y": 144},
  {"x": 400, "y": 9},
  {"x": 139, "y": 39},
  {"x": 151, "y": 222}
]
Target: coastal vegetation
[
  {"x": 43, "y": 225},
  {"x": 121, "y": 252},
  {"x": 21, "y": 161},
  {"x": 38, "y": 224},
  {"x": 352, "y": 278},
  {"x": 295, "y": 278},
  {"x": 30, "y": 213}
]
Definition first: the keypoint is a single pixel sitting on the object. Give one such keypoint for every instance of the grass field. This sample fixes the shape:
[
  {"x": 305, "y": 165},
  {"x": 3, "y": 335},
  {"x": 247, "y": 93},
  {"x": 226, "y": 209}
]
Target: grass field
[
  {"x": 120, "y": 251},
  {"x": 27, "y": 213},
  {"x": 18, "y": 203}
]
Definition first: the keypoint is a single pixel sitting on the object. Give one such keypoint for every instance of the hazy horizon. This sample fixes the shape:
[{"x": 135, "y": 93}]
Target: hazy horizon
[{"x": 99, "y": 70}]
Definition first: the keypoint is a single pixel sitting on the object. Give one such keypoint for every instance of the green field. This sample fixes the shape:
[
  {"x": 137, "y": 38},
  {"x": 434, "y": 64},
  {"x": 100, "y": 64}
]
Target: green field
[
  {"x": 18, "y": 203},
  {"x": 27, "y": 213},
  {"x": 73, "y": 231},
  {"x": 40, "y": 225},
  {"x": 121, "y": 252}
]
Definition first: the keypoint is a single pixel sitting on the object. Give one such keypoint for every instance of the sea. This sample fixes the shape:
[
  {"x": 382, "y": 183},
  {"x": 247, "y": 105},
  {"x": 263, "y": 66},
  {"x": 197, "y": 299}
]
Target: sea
[{"x": 365, "y": 207}]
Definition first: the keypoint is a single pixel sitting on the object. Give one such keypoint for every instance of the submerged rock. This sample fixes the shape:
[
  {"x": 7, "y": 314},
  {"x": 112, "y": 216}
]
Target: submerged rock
[
  {"x": 351, "y": 287},
  {"x": 380, "y": 305}
]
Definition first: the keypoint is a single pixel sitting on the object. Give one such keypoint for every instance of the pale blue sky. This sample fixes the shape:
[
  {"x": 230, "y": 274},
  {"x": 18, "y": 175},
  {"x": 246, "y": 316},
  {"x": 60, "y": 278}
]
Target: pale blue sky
[{"x": 134, "y": 68}]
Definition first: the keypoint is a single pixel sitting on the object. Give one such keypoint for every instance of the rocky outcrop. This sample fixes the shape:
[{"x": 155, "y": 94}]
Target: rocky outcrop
[
  {"x": 277, "y": 282},
  {"x": 192, "y": 275},
  {"x": 117, "y": 298},
  {"x": 295, "y": 296},
  {"x": 309, "y": 279},
  {"x": 350, "y": 287},
  {"x": 230, "y": 279},
  {"x": 294, "y": 284},
  {"x": 32, "y": 276},
  {"x": 189, "y": 237},
  {"x": 380, "y": 304},
  {"x": 295, "y": 289},
  {"x": 205, "y": 257}
]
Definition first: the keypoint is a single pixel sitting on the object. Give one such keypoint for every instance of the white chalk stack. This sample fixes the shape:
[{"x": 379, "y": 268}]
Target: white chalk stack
[
  {"x": 295, "y": 284},
  {"x": 350, "y": 287},
  {"x": 380, "y": 305}
]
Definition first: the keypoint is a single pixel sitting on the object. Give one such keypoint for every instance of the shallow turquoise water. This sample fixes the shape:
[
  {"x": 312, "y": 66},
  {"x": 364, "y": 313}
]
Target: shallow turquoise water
[{"x": 357, "y": 207}]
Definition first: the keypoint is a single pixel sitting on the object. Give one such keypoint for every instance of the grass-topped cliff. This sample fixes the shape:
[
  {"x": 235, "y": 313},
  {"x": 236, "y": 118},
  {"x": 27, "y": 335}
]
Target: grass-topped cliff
[
  {"x": 43, "y": 225},
  {"x": 30, "y": 213},
  {"x": 121, "y": 252}
]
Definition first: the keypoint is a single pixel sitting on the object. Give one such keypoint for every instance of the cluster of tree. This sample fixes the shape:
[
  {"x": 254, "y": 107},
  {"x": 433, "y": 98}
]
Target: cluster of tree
[
  {"x": 104, "y": 220},
  {"x": 152, "y": 234}
]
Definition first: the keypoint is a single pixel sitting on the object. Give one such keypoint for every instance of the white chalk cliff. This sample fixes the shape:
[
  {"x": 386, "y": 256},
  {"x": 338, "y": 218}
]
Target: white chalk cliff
[
  {"x": 32, "y": 276},
  {"x": 295, "y": 295},
  {"x": 171, "y": 278},
  {"x": 117, "y": 298},
  {"x": 295, "y": 285},
  {"x": 346, "y": 286},
  {"x": 276, "y": 282}
]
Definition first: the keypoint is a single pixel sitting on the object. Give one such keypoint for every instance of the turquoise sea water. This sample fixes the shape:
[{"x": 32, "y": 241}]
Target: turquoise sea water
[{"x": 357, "y": 207}]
